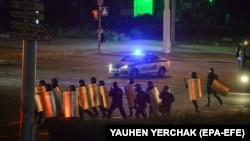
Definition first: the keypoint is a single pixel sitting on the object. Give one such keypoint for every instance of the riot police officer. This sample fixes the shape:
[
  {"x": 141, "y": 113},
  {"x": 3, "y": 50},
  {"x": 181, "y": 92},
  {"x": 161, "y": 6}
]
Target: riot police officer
[
  {"x": 141, "y": 101},
  {"x": 38, "y": 100},
  {"x": 58, "y": 96},
  {"x": 210, "y": 78},
  {"x": 154, "y": 100},
  {"x": 95, "y": 97},
  {"x": 166, "y": 100},
  {"x": 104, "y": 98},
  {"x": 116, "y": 93},
  {"x": 83, "y": 100},
  {"x": 130, "y": 94},
  {"x": 195, "y": 92}
]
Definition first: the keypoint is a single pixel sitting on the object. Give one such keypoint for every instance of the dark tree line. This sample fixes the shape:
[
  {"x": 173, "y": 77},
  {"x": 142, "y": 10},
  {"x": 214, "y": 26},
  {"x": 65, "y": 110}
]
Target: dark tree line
[{"x": 190, "y": 14}]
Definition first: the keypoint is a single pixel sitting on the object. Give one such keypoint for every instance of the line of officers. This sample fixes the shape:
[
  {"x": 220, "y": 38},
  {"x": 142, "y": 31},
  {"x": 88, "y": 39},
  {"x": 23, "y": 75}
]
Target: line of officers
[
  {"x": 75, "y": 102},
  {"x": 51, "y": 101}
]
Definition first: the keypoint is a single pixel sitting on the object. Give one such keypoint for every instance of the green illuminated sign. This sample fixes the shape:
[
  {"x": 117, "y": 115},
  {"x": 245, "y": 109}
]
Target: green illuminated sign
[
  {"x": 143, "y": 7},
  {"x": 211, "y": 1}
]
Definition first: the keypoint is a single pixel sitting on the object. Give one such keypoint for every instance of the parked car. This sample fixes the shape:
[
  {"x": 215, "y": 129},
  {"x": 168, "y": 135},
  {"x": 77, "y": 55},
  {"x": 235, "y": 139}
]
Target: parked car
[{"x": 136, "y": 65}]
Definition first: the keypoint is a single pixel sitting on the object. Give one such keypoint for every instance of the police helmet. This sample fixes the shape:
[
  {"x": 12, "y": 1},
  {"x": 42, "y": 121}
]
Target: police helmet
[
  {"x": 115, "y": 84},
  {"x": 81, "y": 82},
  {"x": 131, "y": 80},
  {"x": 54, "y": 81},
  {"x": 212, "y": 70},
  {"x": 42, "y": 82},
  {"x": 72, "y": 88},
  {"x": 93, "y": 80},
  {"x": 138, "y": 87},
  {"x": 193, "y": 74},
  {"x": 101, "y": 82}
]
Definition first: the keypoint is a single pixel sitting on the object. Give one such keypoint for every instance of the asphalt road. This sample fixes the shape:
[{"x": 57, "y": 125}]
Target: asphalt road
[{"x": 70, "y": 60}]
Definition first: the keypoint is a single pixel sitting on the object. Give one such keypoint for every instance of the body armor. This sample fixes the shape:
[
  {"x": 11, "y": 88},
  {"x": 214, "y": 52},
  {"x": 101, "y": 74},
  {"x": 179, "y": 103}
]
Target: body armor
[
  {"x": 82, "y": 93},
  {"x": 194, "y": 87},
  {"x": 130, "y": 93},
  {"x": 70, "y": 104},
  {"x": 49, "y": 104},
  {"x": 95, "y": 97}
]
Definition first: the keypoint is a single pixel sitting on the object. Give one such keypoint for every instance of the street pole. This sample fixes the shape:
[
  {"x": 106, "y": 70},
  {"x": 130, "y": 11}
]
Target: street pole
[
  {"x": 100, "y": 3},
  {"x": 27, "y": 127},
  {"x": 166, "y": 28},
  {"x": 173, "y": 8},
  {"x": 99, "y": 29},
  {"x": 27, "y": 91}
]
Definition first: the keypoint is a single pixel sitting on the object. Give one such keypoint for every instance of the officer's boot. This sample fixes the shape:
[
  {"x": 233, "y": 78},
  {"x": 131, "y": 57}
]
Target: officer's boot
[
  {"x": 219, "y": 99},
  {"x": 196, "y": 106},
  {"x": 39, "y": 117},
  {"x": 104, "y": 114},
  {"x": 208, "y": 100},
  {"x": 130, "y": 112},
  {"x": 95, "y": 111},
  {"x": 81, "y": 113}
]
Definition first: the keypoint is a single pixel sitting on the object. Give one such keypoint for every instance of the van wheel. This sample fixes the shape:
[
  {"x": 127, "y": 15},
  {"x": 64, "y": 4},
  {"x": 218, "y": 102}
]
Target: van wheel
[
  {"x": 134, "y": 73},
  {"x": 162, "y": 71}
]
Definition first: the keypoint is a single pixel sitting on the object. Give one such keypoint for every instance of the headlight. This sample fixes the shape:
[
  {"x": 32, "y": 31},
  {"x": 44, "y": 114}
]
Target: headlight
[
  {"x": 244, "y": 79},
  {"x": 110, "y": 65},
  {"x": 124, "y": 67},
  {"x": 245, "y": 42}
]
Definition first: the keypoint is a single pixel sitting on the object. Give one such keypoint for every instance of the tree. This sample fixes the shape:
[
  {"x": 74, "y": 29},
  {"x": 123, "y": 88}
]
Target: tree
[{"x": 193, "y": 13}]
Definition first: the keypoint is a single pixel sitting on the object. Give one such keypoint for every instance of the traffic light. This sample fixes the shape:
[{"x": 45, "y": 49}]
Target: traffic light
[{"x": 95, "y": 14}]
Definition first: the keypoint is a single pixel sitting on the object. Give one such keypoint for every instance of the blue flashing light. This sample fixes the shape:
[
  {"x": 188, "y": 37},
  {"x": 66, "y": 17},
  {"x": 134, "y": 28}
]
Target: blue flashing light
[{"x": 137, "y": 52}]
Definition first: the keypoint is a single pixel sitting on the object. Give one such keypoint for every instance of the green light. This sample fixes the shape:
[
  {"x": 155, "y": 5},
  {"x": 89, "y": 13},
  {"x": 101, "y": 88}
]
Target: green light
[
  {"x": 227, "y": 17},
  {"x": 211, "y": 1},
  {"x": 143, "y": 7}
]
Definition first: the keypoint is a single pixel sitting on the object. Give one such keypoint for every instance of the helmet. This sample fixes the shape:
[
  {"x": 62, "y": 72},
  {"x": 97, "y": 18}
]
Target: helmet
[
  {"x": 72, "y": 88},
  {"x": 166, "y": 87},
  {"x": 54, "y": 81},
  {"x": 137, "y": 87},
  {"x": 48, "y": 87},
  {"x": 193, "y": 74},
  {"x": 93, "y": 80},
  {"x": 42, "y": 83},
  {"x": 131, "y": 80},
  {"x": 212, "y": 70},
  {"x": 81, "y": 82},
  {"x": 115, "y": 85},
  {"x": 101, "y": 82}
]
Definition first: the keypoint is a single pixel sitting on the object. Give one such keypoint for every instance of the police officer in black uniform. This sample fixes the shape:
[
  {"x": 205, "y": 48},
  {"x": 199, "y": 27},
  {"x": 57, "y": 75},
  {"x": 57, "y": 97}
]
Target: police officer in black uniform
[
  {"x": 210, "y": 78},
  {"x": 54, "y": 83},
  {"x": 141, "y": 101},
  {"x": 167, "y": 98},
  {"x": 116, "y": 93}
]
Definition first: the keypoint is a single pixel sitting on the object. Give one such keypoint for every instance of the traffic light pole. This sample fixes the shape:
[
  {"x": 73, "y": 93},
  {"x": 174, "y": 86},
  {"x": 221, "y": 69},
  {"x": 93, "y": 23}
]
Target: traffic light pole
[{"x": 99, "y": 29}]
